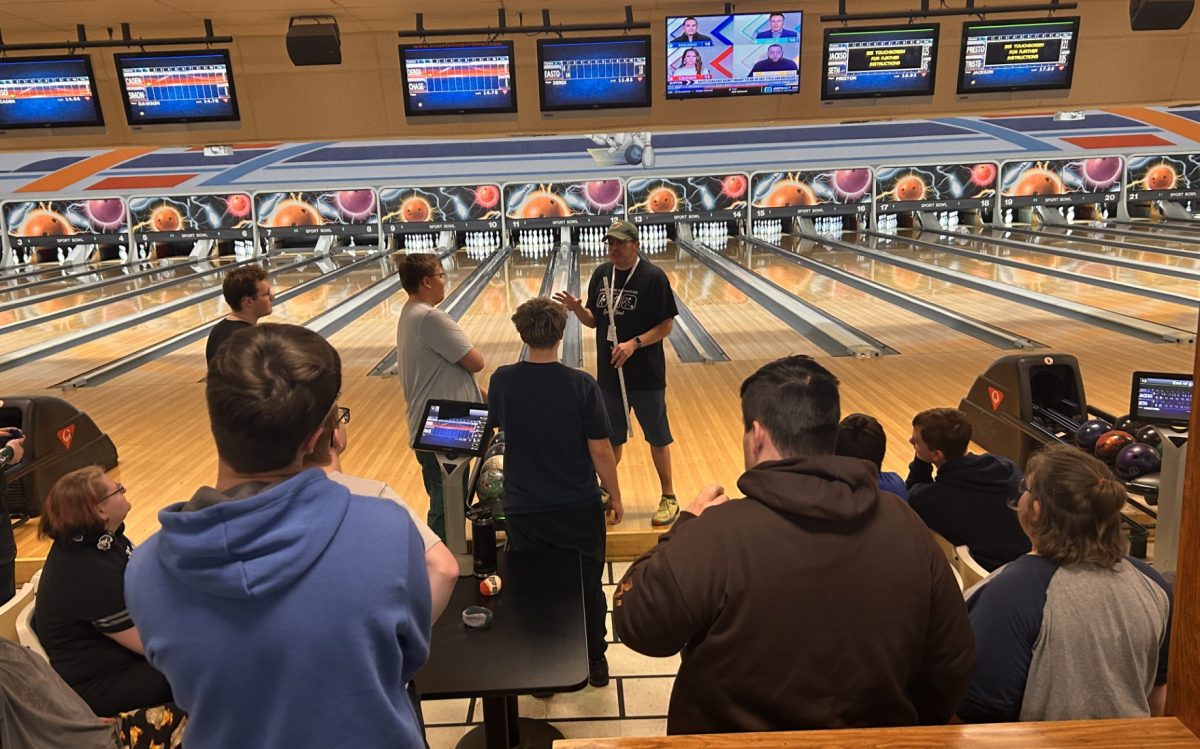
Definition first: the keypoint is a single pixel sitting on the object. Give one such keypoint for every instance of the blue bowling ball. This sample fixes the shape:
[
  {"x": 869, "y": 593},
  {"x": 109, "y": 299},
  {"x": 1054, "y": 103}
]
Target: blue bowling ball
[
  {"x": 1136, "y": 460},
  {"x": 1090, "y": 431}
]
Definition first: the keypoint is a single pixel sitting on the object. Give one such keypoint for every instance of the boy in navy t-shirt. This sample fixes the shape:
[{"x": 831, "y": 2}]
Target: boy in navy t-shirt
[
  {"x": 556, "y": 435},
  {"x": 862, "y": 436}
]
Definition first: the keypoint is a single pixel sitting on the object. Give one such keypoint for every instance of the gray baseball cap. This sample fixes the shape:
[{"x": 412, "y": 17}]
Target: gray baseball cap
[{"x": 623, "y": 231}]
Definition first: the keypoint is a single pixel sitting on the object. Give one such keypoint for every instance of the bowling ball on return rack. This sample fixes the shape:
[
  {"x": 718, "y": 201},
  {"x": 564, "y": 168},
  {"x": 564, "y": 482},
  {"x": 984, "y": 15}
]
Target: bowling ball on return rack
[
  {"x": 490, "y": 488},
  {"x": 1138, "y": 459},
  {"x": 1090, "y": 431},
  {"x": 1111, "y": 443},
  {"x": 1127, "y": 423},
  {"x": 1150, "y": 435}
]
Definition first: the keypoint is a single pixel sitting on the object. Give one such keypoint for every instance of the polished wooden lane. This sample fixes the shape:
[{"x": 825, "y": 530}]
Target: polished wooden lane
[{"x": 1080, "y": 244}]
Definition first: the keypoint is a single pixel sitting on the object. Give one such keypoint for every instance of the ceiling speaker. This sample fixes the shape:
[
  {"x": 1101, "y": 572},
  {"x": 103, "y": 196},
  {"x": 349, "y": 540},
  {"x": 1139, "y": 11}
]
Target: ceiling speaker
[
  {"x": 1157, "y": 15},
  {"x": 314, "y": 40}
]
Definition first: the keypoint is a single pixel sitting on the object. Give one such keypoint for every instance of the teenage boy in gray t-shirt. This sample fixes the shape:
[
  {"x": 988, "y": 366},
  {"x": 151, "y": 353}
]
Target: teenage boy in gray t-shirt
[{"x": 436, "y": 360}]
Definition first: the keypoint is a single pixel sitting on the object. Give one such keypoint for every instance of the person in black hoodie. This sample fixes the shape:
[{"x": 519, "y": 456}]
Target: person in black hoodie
[
  {"x": 969, "y": 502},
  {"x": 815, "y": 602}
]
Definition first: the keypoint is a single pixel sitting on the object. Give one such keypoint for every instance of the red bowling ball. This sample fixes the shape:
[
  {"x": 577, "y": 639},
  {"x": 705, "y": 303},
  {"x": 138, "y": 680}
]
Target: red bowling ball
[{"x": 1111, "y": 443}]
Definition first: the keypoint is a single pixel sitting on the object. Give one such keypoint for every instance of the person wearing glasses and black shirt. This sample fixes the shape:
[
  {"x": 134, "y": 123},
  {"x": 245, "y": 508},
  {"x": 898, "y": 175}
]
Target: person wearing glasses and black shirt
[
  {"x": 80, "y": 613},
  {"x": 248, "y": 292}
]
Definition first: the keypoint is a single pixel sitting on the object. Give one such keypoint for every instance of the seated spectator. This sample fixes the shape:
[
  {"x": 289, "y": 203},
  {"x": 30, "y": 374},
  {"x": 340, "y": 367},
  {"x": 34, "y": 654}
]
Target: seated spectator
[
  {"x": 1075, "y": 629},
  {"x": 556, "y": 439},
  {"x": 80, "y": 613},
  {"x": 808, "y": 604},
  {"x": 968, "y": 503},
  {"x": 327, "y": 455},
  {"x": 285, "y": 611},
  {"x": 862, "y": 436}
]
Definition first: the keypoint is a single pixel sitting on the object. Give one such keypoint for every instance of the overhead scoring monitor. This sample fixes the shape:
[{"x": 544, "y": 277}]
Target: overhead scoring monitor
[
  {"x": 880, "y": 61},
  {"x": 601, "y": 73},
  {"x": 458, "y": 78},
  {"x": 166, "y": 87},
  {"x": 733, "y": 54},
  {"x": 48, "y": 92},
  {"x": 1026, "y": 55}
]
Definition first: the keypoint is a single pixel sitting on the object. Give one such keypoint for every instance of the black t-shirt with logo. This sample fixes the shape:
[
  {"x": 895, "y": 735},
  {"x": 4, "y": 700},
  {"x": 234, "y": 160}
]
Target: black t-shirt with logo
[{"x": 646, "y": 300}]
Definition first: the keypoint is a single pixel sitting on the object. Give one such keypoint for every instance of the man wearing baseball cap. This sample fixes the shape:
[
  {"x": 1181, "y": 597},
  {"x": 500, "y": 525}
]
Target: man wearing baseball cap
[{"x": 644, "y": 311}]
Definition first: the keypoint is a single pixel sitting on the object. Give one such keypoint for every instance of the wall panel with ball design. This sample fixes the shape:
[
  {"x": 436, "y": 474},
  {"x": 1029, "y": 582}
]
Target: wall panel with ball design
[
  {"x": 936, "y": 187},
  {"x": 407, "y": 210},
  {"x": 662, "y": 200},
  {"x": 65, "y": 223},
  {"x": 307, "y": 213},
  {"x": 188, "y": 218},
  {"x": 541, "y": 205},
  {"x": 1061, "y": 181},
  {"x": 825, "y": 192},
  {"x": 1162, "y": 177}
]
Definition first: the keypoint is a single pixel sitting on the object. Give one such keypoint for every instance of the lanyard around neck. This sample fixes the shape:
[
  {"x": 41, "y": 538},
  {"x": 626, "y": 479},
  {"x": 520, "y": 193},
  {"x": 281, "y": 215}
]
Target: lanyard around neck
[{"x": 612, "y": 286}]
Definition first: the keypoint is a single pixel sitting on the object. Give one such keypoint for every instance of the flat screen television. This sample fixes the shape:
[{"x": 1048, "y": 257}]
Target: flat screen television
[
  {"x": 55, "y": 91},
  {"x": 600, "y": 73},
  {"x": 169, "y": 87},
  {"x": 458, "y": 78},
  {"x": 733, "y": 54},
  {"x": 1026, "y": 55},
  {"x": 880, "y": 61}
]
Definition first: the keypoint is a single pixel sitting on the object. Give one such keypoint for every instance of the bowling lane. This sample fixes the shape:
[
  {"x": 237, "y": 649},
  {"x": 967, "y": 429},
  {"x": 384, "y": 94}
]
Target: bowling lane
[
  {"x": 36, "y": 310},
  {"x": 136, "y": 336},
  {"x": 35, "y": 286},
  {"x": 488, "y": 321},
  {"x": 744, "y": 329},
  {"x": 1166, "y": 313},
  {"x": 1176, "y": 242},
  {"x": 28, "y": 273},
  {"x": 895, "y": 326},
  {"x": 1057, "y": 237}
]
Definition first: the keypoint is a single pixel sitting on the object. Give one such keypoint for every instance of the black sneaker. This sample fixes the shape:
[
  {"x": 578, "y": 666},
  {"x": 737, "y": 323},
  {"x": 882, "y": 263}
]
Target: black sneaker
[{"x": 598, "y": 672}]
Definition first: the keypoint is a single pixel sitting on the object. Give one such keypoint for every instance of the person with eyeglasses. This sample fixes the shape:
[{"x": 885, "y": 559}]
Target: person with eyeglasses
[
  {"x": 436, "y": 360},
  {"x": 80, "y": 613},
  {"x": 247, "y": 291},
  {"x": 1076, "y": 629}
]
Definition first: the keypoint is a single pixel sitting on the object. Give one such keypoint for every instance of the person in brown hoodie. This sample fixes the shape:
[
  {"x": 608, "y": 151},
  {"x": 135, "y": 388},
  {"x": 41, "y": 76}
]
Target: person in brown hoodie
[{"x": 815, "y": 602}]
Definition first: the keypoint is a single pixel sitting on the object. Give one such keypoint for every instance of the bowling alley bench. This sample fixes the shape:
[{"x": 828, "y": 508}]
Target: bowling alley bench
[{"x": 1144, "y": 733}]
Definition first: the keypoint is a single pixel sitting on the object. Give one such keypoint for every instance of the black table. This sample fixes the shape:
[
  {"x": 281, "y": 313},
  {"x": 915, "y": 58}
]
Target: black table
[{"x": 537, "y": 643}]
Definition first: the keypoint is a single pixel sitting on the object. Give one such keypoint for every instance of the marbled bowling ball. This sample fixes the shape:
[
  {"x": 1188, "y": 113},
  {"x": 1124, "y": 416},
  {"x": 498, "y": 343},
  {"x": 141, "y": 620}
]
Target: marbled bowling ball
[
  {"x": 1038, "y": 182},
  {"x": 1150, "y": 435},
  {"x": 295, "y": 213},
  {"x": 911, "y": 187},
  {"x": 1104, "y": 171},
  {"x": 356, "y": 204},
  {"x": 238, "y": 205},
  {"x": 542, "y": 204},
  {"x": 852, "y": 184},
  {"x": 415, "y": 210},
  {"x": 662, "y": 200},
  {"x": 166, "y": 218},
  {"x": 1110, "y": 443},
  {"x": 42, "y": 223},
  {"x": 106, "y": 212},
  {"x": 789, "y": 192},
  {"x": 1136, "y": 460},
  {"x": 1090, "y": 431},
  {"x": 1160, "y": 177},
  {"x": 491, "y": 480},
  {"x": 604, "y": 194}
]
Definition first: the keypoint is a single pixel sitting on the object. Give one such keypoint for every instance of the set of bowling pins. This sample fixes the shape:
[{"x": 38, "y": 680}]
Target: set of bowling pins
[
  {"x": 948, "y": 219},
  {"x": 537, "y": 241},
  {"x": 420, "y": 242},
  {"x": 591, "y": 238},
  {"x": 711, "y": 231},
  {"x": 243, "y": 250},
  {"x": 828, "y": 225},
  {"x": 887, "y": 223},
  {"x": 481, "y": 243},
  {"x": 770, "y": 230}
]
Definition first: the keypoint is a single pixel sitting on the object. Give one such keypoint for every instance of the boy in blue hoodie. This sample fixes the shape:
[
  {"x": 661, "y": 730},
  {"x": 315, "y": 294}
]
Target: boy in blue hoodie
[{"x": 283, "y": 610}]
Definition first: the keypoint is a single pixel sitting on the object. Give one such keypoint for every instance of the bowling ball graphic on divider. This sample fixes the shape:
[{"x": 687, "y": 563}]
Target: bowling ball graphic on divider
[
  {"x": 1090, "y": 431},
  {"x": 43, "y": 223},
  {"x": 1137, "y": 459},
  {"x": 1102, "y": 172},
  {"x": 238, "y": 205},
  {"x": 415, "y": 210},
  {"x": 604, "y": 194},
  {"x": 1039, "y": 181},
  {"x": 983, "y": 175},
  {"x": 1160, "y": 177},
  {"x": 542, "y": 204},
  {"x": 789, "y": 192},
  {"x": 911, "y": 187},
  {"x": 1150, "y": 436},
  {"x": 487, "y": 196},
  {"x": 733, "y": 186},
  {"x": 166, "y": 218},
  {"x": 1110, "y": 443},
  {"x": 294, "y": 213},
  {"x": 106, "y": 213},
  {"x": 356, "y": 204},
  {"x": 852, "y": 184},
  {"x": 662, "y": 200}
]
